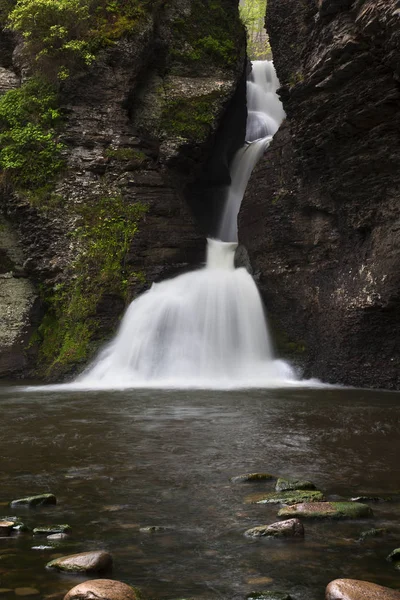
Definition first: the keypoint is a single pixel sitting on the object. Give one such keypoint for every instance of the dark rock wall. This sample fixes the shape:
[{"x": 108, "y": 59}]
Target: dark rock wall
[
  {"x": 152, "y": 98},
  {"x": 321, "y": 216}
]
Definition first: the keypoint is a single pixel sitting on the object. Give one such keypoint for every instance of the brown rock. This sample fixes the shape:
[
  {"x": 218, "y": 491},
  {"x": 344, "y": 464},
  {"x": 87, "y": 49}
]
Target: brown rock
[
  {"x": 353, "y": 589},
  {"x": 6, "y": 527},
  {"x": 102, "y": 589},
  {"x": 288, "y": 528},
  {"x": 84, "y": 562}
]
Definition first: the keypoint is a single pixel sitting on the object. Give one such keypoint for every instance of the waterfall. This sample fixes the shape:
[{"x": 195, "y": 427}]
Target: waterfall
[{"x": 205, "y": 328}]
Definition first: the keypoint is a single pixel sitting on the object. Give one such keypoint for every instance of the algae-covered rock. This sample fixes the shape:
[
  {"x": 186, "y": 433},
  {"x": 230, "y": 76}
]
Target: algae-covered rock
[
  {"x": 370, "y": 499},
  {"x": 84, "y": 562},
  {"x": 31, "y": 501},
  {"x": 374, "y": 532},
  {"x": 394, "y": 556},
  {"x": 56, "y": 537},
  {"x": 333, "y": 510},
  {"x": 269, "y": 595},
  {"x": 18, "y": 525},
  {"x": 51, "y": 529},
  {"x": 102, "y": 589},
  {"x": 288, "y": 528},
  {"x": 249, "y": 477},
  {"x": 283, "y": 485},
  {"x": 354, "y": 589},
  {"x": 290, "y": 497}
]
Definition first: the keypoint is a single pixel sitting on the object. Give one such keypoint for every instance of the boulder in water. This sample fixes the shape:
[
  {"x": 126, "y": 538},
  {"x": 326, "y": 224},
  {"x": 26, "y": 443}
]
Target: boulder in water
[
  {"x": 31, "y": 501},
  {"x": 290, "y": 497},
  {"x": 333, "y": 510},
  {"x": 6, "y": 527},
  {"x": 281, "y": 529},
  {"x": 283, "y": 485},
  {"x": 51, "y": 529},
  {"x": 84, "y": 562},
  {"x": 354, "y": 589},
  {"x": 249, "y": 477},
  {"x": 394, "y": 556},
  {"x": 102, "y": 589}
]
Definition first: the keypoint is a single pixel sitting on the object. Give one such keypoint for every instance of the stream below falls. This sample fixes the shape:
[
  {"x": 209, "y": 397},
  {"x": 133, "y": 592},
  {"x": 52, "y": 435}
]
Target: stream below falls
[{"x": 121, "y": 460}]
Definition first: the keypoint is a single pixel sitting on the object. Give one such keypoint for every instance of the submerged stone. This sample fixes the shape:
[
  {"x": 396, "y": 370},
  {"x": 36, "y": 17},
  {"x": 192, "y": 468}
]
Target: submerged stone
[
  {"x": 18, "y": 525},
  {"x": 248, "y": 477},
  {"x": 333, "y": 510},
  {"x": 6, "y": 527},
  {"x": 288, "y": 528},
  {"x": 38, "y": 500},
  {"x": 374, "y": 532},
  {"x": 283, "y": 485},
  {"x": 102, "y": 589},
  {"x": 354, "y": 589},
  {"x": 394, "y": 556},
  {"x": 370, "y": 499},
  {"x": 153, "y": 529},
  {"x": 26, "y": 591},
  {"x": 290, "y": 497},
  {"x": 268, "y": 595},
  {"x": 57, "y": 536},
  {"x": 84, "y": 562},
  {"x": 51, "y": 529}
]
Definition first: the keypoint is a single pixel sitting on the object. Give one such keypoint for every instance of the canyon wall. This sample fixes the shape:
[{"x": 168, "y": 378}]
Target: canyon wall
[{"x": 321, "y": 216}]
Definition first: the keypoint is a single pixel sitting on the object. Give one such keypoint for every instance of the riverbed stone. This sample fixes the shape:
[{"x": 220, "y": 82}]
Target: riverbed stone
[
  {"x": 6, "y": 527},
  {"x": 354, "y": 589},
  {"x": 284, "y": 485},
  {"x": 333, "y": 510},
  {"x": 269, "y": 595},
  {"x": 57, "y": 537},
  {"x": 289, "y": 497},
  {"x": 18, "y": 524},
  {"x": 84, "y": 562},
  {"x": 51, "y": 529},
  {"x": 281, "y": 529},
  {"x": 374, "y": 532},
  {"x": 31, "y": 501},
  {"x": 102, "y": 589},
  {"x": 249, "y": 477},
  {"x": 394, "y": 556}
]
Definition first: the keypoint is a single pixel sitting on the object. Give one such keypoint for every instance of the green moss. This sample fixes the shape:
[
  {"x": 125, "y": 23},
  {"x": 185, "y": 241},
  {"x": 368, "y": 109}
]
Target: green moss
[
  {"x": 30, "y": 155},
  {"x": 289, "y": 497},
  {"x": 190, "y": 118},
  {"x": 69, "y": 333},
  {"x": 136, "y": 158},
  {"x": 209, "y": 36}
]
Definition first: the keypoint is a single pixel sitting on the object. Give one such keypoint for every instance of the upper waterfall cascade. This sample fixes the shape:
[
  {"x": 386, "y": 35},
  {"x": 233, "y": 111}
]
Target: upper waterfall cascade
[{"x": 205, "y": 328}]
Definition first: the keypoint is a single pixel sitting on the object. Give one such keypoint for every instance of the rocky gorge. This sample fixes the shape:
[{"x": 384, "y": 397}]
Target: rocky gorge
[{"x": 147, "y": 136}]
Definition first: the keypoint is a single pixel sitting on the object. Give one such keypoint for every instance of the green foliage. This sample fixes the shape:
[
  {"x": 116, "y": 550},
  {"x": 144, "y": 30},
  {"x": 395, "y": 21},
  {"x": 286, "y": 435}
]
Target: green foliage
[
  {"x": 209, "y": 36},
  {"x": 66, "y": 34},
  {"x": 190, "y": 118},
  {"x": 252, "y": 13},
  {"x": 30, "y": 155},
  {"x": 69, "y": 331}
]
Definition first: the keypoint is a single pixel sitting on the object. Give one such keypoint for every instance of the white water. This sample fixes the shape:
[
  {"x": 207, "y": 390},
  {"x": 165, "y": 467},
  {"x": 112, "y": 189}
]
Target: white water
[
  {"x": 264, "y": 116},
  {"x": 207, "y": 328}
]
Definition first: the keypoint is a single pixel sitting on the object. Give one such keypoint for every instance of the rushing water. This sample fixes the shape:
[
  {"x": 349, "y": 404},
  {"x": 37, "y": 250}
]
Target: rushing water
[{"x": 122, "y": 460}]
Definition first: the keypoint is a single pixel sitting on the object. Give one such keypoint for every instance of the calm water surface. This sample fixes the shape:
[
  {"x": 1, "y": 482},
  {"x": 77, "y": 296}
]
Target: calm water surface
[{"x": 118, "y": 461}]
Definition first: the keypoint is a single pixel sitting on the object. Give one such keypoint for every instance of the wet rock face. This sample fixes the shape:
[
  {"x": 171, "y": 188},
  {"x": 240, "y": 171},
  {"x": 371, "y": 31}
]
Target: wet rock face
[{"x": 320, "y": 217}]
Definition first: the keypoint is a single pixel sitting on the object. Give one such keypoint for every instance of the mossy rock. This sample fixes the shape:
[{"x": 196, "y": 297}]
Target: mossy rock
[
  {"x": 290, "y": 497},
  {"x": 18, "y": 524},
  {"x": 32, "y": 501},
  {"x": 394, "y": 556},
  {"x": 323, "y": 510},
  {"x": 283, "y": 485},
  {"x": 51, "y": 529},
  {"x": 269, "y": 595},
  {"x": 251, "y": 477},
  {"x": 374, "y": 532}
]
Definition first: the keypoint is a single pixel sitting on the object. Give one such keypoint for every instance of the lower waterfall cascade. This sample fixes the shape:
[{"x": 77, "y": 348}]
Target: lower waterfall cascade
[{"x": 205, "y": 328}]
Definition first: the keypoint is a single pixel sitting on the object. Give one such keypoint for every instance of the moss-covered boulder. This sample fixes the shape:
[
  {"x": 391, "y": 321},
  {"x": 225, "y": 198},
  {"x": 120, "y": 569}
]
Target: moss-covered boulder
[
  {"x": 32, "y": 501},
  {"x": 333, "y": 510},
  {"x": 353, "y": 589},
  {"x": 290, "y": 497},
  {"x": 374, "y": 532},
  {"x": 281, "y": 529},
  {"x": 95, "y": 562},
  {"x": 251, "y": 477},
  {"x": 283, "y": 485},
  {"x": 269, "y": 595},
  {"x": 51, "y": 529}
]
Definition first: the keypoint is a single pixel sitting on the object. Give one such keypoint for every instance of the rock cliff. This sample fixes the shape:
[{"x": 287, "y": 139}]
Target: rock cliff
[
  {"x": 139, "y": 129},
  {"x": 321, "y": 218}
]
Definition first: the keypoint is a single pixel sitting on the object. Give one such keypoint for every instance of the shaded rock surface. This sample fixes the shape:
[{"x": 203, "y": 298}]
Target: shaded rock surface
[
  {"x": 353, "y": 589},
  {"x": 281, "y": 529},
  {"x": 334, "y": 510},
  {"x": 320, "y": 217},
  {"x": 84, "y": 562},
  {"x": 290, "y": 497},
  {"x": 101, "y": 589},
  {"x": 249, "y": 477},
  {"x": 38, "y": 500}
]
